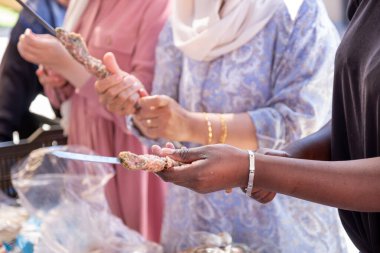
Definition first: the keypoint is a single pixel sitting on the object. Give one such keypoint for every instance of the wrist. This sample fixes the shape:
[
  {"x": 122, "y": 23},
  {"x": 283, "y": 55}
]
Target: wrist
[
  {"x": 243, "y": 171},
  {"x": 195, "y": 128},
  {"x": 75, "y": 73}
]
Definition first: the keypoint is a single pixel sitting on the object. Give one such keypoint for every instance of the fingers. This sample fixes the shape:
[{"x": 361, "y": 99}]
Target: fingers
[
  {"x": 49, "y": 78},
  {"x": 266, "y": 198},
  {"x": 150, "y": 123},
  {"x": 156, "y": 150},
  {"x": 124, "y": 103},
  {"x": 182, "y": 175},
  {"x": 154, "y": 101},
  {"x": 119, "y": 93},
  {"x": 186, "y": 155},
  {"x": 127, "y": 104},
  {"x": 154, "y": 107},
  {"x": 37, "y": 48},
  {"x": 36, "y": 41},
  {"x": 161, "y": 116},
  {"x": 170, "y": 145},
  {"x": 152, "y": 133},
  {"x": 111, "y": 64},
  {"x": 40, "y": 71},
  {"x": 24, "y": 48},
  {"x": 262, "y": 196},
  {"x": 143, "y": 92},
  {"x": 113, "y": 92},
  {"x": 103, "y": 85}
]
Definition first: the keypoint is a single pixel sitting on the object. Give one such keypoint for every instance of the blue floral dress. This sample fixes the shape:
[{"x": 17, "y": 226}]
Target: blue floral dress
[{"x": 283, "y": 79}]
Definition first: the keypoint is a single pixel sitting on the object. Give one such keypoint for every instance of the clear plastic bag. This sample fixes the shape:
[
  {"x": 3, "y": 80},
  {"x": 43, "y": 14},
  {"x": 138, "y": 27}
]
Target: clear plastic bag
[
  {"x": 204, "y": 242},
  {"x": 68, "y": 197},
  {"x": 12, "y": 217}
]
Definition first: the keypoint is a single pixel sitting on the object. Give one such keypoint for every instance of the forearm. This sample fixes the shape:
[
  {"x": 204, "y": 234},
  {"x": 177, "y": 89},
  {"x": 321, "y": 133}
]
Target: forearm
[
  {"x": 316, "y": 146},
  {"x": 73, "y": 72},
  {"x": 351, "y": 185},
  {"x": 239, "y": 131}
]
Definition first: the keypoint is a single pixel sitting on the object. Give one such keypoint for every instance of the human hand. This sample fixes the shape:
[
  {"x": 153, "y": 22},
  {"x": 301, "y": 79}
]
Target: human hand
[
  {"x": 43, "y": 49},
  {"x": 120, "y": 91},
  {"x": 208, "y": 168},
  {"x": 261, "y": 195},
  {"x": 50, "y": 79},
  {"x": 162, "y": 117}
]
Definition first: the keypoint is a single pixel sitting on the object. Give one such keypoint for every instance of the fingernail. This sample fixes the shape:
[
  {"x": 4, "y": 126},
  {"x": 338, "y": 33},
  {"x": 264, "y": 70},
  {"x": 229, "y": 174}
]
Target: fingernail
[{"x": 167, "y": 151}]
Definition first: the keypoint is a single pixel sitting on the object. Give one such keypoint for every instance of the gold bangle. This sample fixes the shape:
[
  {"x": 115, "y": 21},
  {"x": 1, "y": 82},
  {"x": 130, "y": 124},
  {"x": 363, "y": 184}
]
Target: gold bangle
[
  {"x": 224, "y": 130},
  {"x": 209, "y": 129}
]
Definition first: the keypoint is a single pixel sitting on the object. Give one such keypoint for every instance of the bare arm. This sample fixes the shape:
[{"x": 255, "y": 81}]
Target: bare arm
[
  {"x": 162, "y": 117},
  {"x": 316, "y": 146},
  {"x": 46, "y": 50},
  {"x": 238, "y": 125},
  {"x": 352, "y": 185}
]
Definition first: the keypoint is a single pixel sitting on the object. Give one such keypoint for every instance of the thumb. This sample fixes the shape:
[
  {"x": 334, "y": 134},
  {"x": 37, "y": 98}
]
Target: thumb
[
  {"x": 142, "y": 92},
  {"x": 40, "y": 70},
  {"x": 185, "y": 155},
  {"x": 110, "y": 62}
]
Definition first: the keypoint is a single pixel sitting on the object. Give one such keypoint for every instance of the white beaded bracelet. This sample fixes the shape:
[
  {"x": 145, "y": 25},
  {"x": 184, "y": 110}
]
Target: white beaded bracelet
[{"x": 248, "y": 190}]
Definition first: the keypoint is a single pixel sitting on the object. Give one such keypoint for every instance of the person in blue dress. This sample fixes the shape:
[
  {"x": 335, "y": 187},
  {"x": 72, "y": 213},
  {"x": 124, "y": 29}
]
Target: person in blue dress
[
  {"x": 19, "y": 84},
  {"x": 251, "y": 74}
]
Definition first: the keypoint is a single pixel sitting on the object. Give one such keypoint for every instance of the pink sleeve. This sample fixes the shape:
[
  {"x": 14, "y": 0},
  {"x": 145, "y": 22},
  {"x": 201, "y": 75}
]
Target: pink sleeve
[{"x": 154, "y": 19}]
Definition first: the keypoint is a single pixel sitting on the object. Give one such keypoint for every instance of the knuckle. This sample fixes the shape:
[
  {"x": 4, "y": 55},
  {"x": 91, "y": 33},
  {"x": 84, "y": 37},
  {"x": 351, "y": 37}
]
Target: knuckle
[
  {"x": 183, "y": 153},
  {"x": 113, "y": 93}
]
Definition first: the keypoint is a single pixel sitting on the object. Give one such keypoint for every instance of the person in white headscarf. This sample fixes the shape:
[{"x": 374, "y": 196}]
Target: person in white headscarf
[{"x": 248, "y": 73}]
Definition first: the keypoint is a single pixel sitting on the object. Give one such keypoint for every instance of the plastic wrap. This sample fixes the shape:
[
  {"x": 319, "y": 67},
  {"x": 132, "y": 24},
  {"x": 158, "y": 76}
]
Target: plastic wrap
[
  {"x": 204, "y": 242},
  {"x": 68, "y": 197},
  {"x": 12, "y": 217}
]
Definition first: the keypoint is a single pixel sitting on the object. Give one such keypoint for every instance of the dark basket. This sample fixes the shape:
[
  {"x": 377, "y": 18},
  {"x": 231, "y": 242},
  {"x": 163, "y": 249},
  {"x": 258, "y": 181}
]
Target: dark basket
[{"x": 11, "y": 153}]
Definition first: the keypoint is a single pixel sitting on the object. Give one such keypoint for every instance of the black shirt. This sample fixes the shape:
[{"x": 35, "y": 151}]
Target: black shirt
[{"x": 356, "y": 108}]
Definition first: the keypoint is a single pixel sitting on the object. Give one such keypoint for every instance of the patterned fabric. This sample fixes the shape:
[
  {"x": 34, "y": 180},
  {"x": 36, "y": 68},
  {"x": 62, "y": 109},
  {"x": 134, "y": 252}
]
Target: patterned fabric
[{"x": 283, "y": 79}]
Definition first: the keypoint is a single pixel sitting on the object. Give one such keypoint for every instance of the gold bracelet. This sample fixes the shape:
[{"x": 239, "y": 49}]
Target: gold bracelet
[
  {"x": 209, "y": 128},
  {"x": 223, "y": 126}
]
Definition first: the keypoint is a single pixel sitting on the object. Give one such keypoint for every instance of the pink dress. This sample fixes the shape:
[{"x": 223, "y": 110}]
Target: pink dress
[{"x": 130, "y": 30}]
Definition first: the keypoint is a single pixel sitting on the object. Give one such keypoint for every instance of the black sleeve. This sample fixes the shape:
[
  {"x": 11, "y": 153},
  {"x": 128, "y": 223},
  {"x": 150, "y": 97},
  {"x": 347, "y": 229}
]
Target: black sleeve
[{"x": 18, "y": 86}]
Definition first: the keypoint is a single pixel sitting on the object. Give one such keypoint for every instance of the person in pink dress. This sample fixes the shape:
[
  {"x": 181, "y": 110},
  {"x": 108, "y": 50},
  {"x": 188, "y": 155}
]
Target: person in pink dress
[{"x": 130, "y": 30}]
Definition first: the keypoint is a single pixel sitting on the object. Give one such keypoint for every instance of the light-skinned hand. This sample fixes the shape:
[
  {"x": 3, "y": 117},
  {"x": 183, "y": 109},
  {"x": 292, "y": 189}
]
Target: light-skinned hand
[
  {"x": 162, "y": 117},
  {"x": 43, "y": 49},
  {"x": 120, "y": 91},
  {"x": 49, "y": 78}
]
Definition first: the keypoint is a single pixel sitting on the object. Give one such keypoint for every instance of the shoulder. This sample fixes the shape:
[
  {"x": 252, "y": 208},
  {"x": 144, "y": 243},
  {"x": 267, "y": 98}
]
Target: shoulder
[
  {"x": 301, "y": 13},
  {"x": 305, "y": 20}
]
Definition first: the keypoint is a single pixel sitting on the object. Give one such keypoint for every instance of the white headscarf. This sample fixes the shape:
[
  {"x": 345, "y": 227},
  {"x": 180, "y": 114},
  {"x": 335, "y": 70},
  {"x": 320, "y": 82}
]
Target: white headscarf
[
  {"x": 73, "y": 13},
  {"x": 206, "y": 29}
]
